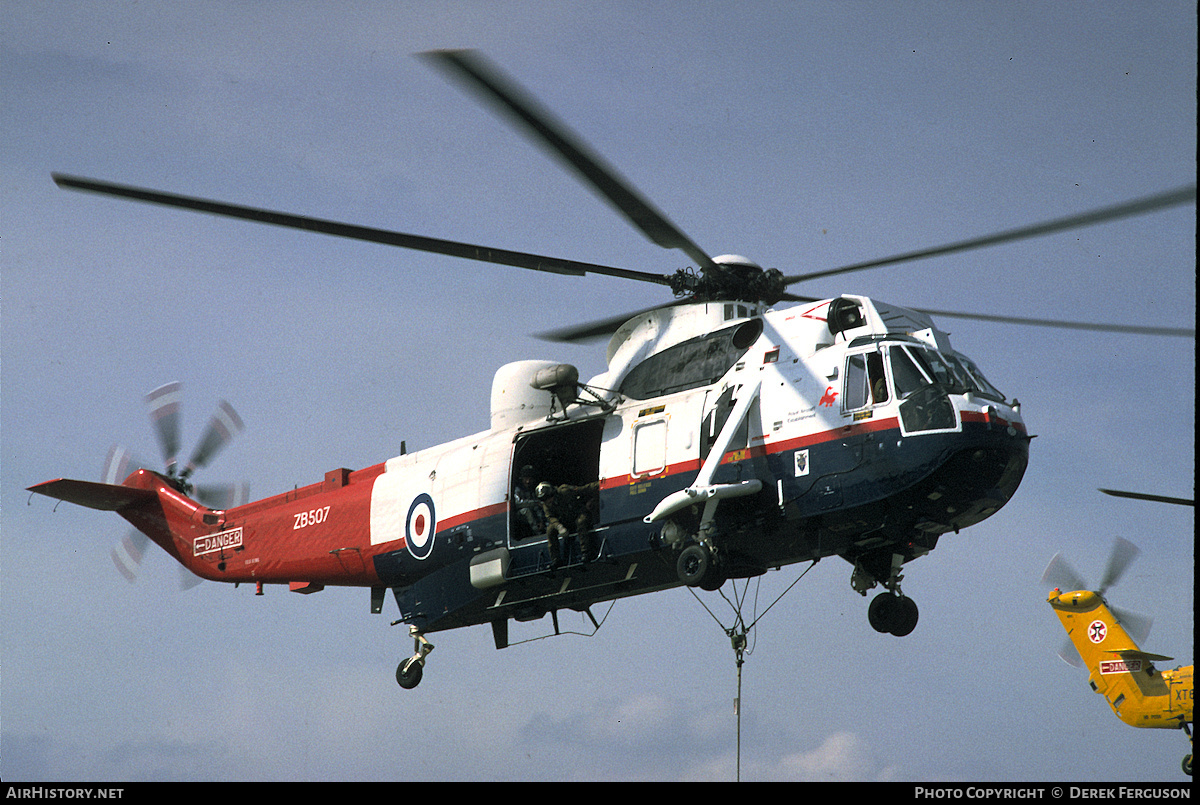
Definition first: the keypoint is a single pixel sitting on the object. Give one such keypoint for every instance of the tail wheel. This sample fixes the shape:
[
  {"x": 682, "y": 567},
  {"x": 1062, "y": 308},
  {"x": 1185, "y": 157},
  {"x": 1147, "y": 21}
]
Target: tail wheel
[{"x": 409, "y": 673}]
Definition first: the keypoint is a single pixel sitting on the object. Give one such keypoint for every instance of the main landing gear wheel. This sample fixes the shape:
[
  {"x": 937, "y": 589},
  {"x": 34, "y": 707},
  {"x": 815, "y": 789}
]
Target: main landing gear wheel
[
  {"x": 697, "y": 567},
  {"x": 892, "y": 614}
]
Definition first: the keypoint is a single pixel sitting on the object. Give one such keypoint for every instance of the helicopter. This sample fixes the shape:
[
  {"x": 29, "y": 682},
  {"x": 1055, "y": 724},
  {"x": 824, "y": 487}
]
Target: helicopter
[
  {"x": 1105, "y": 642},
  {"x": 729, "y": 435}
]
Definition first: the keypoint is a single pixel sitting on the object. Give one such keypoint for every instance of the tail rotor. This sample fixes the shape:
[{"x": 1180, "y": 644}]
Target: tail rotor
[
  {"x": 165, "y": 404},
  {"x": 1061, "y": 575}
]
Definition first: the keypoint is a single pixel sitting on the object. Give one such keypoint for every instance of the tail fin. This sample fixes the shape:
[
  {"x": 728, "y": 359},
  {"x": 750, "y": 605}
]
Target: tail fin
[
  {"x": 147, "y": 500},
  {"x": 1117, "y": 667}
]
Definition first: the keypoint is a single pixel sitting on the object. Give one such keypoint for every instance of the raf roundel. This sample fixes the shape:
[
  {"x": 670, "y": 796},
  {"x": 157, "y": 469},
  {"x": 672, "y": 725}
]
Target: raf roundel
[{"x": 420, "y": 526}]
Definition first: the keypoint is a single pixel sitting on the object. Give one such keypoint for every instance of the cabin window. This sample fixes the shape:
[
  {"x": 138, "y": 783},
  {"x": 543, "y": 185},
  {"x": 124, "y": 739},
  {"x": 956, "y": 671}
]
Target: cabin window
[
  {"x": 649, "y": 448},
  {"x": 691, "y": 364}
]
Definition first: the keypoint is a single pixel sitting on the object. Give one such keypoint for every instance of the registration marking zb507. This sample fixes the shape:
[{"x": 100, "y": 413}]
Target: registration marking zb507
[{"x": 310, "y": 517}]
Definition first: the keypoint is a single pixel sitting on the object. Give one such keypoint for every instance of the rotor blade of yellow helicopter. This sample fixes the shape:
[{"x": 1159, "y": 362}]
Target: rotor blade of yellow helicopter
[{"x": 1144, "y": 496}]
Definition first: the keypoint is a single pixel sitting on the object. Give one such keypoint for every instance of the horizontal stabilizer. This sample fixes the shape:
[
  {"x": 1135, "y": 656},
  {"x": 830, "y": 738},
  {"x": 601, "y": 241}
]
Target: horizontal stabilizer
[
  {"x": 1138, "y": 654},
  {"x": 105, "y": 497}
]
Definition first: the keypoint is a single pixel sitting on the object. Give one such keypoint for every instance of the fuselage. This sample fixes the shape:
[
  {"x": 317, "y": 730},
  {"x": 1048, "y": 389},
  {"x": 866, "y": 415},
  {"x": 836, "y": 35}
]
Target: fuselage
[{"x": 867, "y": 438}]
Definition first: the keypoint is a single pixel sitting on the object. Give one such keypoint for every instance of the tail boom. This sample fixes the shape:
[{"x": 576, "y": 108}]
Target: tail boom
[{"x": 308, "y": 538}]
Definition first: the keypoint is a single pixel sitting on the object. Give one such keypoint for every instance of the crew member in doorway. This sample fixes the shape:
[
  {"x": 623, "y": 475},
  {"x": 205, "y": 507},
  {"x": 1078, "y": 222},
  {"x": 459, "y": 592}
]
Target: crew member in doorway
[
  {"x": 569, "y": 505},
  {"x": 525, "y": 501}
]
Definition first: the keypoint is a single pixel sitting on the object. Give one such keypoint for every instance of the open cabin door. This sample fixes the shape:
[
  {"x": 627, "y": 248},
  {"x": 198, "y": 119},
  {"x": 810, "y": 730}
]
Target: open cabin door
[{"x": 568, "y": 453}]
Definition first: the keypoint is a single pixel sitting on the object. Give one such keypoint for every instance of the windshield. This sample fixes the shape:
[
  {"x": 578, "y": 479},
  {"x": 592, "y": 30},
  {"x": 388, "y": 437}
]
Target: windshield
[
  {"x": 980, "y": 383},
  {"x": 915, "y": 367}
]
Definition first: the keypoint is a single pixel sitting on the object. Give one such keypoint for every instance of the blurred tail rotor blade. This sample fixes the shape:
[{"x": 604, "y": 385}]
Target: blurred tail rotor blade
[
  {"x": 1069, "y": 654},
  {"x": 1123, "y": 554},
  {"x": 221, "y": 428},
  {"x": 1060, "y": 574},
  {"x": 127, "y": 556},
  {"x": 187, "y": 579},
  {"x": 223, "y": 496},
  {"x": 118, "y": 465},
  {"x": 164, "y": 413},
  {"x": 1136, "y": 625}
]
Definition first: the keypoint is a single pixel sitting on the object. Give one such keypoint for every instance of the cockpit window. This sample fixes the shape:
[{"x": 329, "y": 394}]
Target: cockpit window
[
  {"x": 978, "y": 382},
  {"x": 914, "y": 367},
  {"x": 942, "y": 372},
  {"x": 866, "y": 382},
  {"x": 907, "y": 377}
]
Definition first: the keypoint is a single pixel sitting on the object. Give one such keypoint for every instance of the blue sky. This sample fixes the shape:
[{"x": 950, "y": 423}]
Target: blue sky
[{"x": 803, "y": 135}]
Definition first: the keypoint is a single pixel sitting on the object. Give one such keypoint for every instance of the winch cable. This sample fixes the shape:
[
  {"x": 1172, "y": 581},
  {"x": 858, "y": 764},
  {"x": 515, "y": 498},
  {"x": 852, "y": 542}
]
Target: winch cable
[{"x": 738, "y": 634}]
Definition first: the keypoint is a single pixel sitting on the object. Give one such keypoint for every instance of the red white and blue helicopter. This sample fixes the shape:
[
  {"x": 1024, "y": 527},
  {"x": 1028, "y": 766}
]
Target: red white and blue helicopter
[{"x": 728, "y": 436}]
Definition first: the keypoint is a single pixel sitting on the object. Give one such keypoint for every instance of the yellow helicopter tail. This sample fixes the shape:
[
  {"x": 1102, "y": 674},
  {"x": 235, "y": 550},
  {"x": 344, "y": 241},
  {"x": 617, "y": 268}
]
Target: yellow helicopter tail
[{"x": 1118, "y": 669}]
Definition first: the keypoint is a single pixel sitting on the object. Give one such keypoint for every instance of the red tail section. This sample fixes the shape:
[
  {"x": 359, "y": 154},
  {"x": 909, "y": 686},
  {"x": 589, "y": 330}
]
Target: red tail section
[
  {"x": 307, "y": 538},
  {"x": 149, "y": 502}
]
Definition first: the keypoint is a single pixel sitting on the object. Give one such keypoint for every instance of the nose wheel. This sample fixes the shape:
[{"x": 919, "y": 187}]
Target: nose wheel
[{"x": 409, "y": 672}]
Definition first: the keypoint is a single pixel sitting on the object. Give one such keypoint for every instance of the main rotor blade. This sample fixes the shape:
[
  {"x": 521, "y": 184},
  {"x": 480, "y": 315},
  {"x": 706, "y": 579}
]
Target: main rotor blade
[
  {"x": 599, "y": 328},
  {"x": 1128, "y": 209},
  {"x": 466, "y": 251},
  {"x": 1156, "y": 498},
  {"x": 487, "y": 82},
  {"x": 603, "y": 328},
  {"x": 1178, "y": 332}
]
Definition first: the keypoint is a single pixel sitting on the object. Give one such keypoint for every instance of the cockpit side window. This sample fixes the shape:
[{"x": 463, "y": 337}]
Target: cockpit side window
[
  {"x": 877, "y": 378},
  {"x": 866, "y": 381},
  {"x": 854, "y": 389}
]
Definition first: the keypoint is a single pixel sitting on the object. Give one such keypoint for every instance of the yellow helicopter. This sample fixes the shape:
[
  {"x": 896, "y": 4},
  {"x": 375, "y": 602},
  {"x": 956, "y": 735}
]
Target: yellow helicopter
[{"x": 1102, "y": 640}]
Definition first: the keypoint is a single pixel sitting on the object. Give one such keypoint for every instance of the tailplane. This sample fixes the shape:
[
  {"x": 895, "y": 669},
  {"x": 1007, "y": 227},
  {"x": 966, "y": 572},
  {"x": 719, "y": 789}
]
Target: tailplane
[
  {"x": 94, "y": 495},
  {"x": 148, "y": 500}
]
